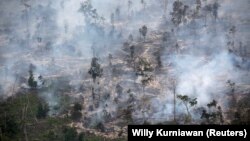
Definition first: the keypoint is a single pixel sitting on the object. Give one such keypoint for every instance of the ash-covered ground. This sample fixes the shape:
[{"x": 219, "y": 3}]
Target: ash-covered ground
[{"x": 106, "y": 64}]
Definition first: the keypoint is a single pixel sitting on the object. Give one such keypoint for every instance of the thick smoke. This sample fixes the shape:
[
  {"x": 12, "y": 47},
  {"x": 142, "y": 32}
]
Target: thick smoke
[{"x": 57, "y": 38}]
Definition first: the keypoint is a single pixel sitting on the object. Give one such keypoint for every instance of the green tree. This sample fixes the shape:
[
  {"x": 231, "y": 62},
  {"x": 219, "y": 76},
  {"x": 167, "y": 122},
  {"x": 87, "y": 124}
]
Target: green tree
[
  {"x": 81, "y": 137},
  {"x": 76, "y": 114},
  {"x": 31, "y": 81},
  {"x": 70, "y": 134},
  {"x": 188, "y": 103},
  {"x": 214, "y": 114},
  {"x": 77, "y": 107},
  {"x": 9, "y": 127},
  {"x": 42, "y": 110}
]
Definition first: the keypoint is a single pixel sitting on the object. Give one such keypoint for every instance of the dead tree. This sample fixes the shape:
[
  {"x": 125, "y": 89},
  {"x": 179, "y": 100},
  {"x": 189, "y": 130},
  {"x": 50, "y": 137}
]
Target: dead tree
[
  {"x": 95, "y": 69},
  {"x": 143, "y": 31},
  {"x": 165, "y": 7}
]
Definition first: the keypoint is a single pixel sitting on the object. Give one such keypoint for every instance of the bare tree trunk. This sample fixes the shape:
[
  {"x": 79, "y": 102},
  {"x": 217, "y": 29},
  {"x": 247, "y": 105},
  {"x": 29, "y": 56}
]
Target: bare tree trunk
[
  {"x": 174, "y": 83},
  {"x": 205, "y": 19},
  {"x": 25, "y": 133},
  {"x": 24, "y": 123},
  {"x": 165, "y": 7},
  {"x": 174, "y": 104},
  {"x": 25, "y": 109},
  {"x": 1, "y": 134},
  {"x": 6, "y": 74},
  {"x": 187, "y": 109},
  {"x": 188, "y": 112},
  {"x": 5, "y": 118},
  {"x": 144, "y": 103},
  {"x": 13, "y": 89},
  {"x": 25, "y": 128},
  {"x": 33, "y": 114},
  {"x": 143, "y": 90}
]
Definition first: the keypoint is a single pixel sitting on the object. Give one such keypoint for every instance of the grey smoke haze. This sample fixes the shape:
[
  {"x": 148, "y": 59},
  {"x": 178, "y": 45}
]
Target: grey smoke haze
[{"x": 53, "y": 35}]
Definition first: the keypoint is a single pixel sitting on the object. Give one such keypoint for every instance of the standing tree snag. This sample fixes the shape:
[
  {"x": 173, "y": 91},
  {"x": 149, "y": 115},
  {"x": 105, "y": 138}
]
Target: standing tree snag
[
  {"x": 198, "y": 7},
  {"x": 165, "y": 7},
  {"x": 132, "y": 52},
  {"x": 118, "y": 13},
  {"x": 173, "y": 88},
  {"x": 130, "y": 3},
  {"x": 110, "y": 59},
  {"x": 177, "y": 13},
  {"x": 143, "y": 2},
  {"x": 232, "y": 92},
  {"x": 216, "y": 6},
  {"x": 143, "y": 31},
  {"x": 130, "y": 38},
  {"x": 95, "y": 69},
  {"x": 112, "y": 19}
]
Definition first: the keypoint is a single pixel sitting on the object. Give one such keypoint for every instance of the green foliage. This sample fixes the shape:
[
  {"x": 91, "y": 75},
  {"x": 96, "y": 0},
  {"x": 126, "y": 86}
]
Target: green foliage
[
  {"x": 81, "y": 137},
  {"x": 11, "y": 121},
  {"x": 76, "y": 114},
  {"x": 42, "y": 110},
  {"x": 51, "y": 135},
  {"x": 9, "y": 126},
  {"x": 187, "y": 100},
  {"x": 77, "y": 107},
  {"x": 212, "y": 104},
  {"x": 70, "y": 134},
  {"x": 214, "y": 115},
  {"x": 31, "y": 81},
  {"x": 45, "y": 129}
]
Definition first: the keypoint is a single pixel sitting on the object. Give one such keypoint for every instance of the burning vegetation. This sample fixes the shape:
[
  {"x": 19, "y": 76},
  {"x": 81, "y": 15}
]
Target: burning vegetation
[{"x": 74, "y": 71}]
